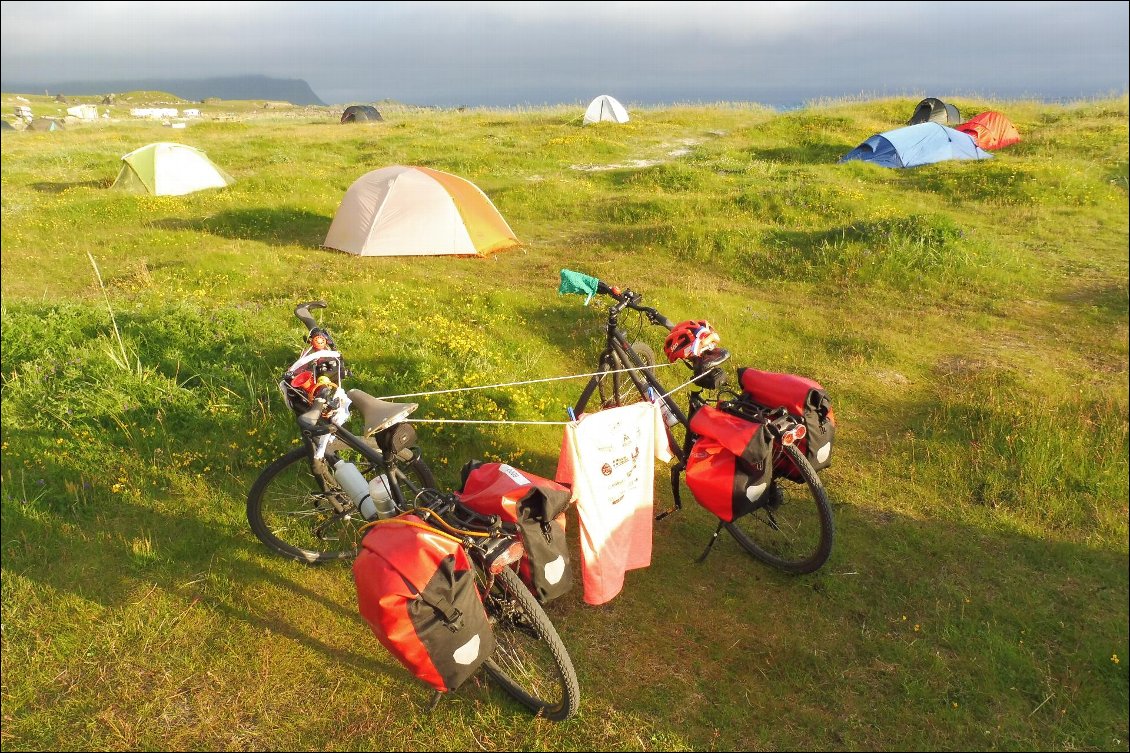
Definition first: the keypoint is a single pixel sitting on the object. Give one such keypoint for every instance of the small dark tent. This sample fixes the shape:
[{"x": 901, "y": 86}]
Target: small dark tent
[
  {"x": 915, "y": 145},
  {"x": 45, "y": 124},
  {"x": 990, "y": 130},
  {"x": 6, "y": 126},
  {"x": 360, "y": 114},
  {"x": 933, "y": 110}
]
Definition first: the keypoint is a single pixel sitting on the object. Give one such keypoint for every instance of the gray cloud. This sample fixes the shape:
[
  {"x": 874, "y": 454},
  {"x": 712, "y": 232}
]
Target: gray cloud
[{"x": 498, "y": 53}]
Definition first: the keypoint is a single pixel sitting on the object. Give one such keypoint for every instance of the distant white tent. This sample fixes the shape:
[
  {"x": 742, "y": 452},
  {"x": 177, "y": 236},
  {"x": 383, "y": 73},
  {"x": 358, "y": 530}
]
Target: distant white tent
[{"x": 605, "y": 108}]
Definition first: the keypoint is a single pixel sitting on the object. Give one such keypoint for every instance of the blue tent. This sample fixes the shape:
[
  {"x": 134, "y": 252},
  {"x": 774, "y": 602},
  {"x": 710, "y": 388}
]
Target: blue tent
[{"x": 917, "y": 145}]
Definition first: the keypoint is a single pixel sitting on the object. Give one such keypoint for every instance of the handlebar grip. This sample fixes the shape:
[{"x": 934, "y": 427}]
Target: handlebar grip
[{"x": 302, "y": 311}]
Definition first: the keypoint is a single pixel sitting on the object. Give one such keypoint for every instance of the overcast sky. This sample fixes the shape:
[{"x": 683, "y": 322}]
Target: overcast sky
[{"x": 502, "y": 53}]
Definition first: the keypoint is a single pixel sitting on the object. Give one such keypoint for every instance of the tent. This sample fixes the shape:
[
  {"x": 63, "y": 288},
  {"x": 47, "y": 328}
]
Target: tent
[
  {"x": 915, "y": 145},
  {"x": 605, "y": 108},
  {"x": 417, "y": 211},
  {"x": 933, "y": 110},
  {"x": 990, "y": 130},
  {"x": 45, "y": 124},
  {"x": 168, "y": 169},
  {"x": 360, "y": 114},
  {"x": 6, "y": 126}
]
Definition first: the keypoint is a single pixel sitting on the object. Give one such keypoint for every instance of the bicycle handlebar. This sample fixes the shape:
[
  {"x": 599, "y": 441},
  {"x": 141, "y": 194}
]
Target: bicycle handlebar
[
  {"x": 626, "y": 298},
  {"x": 302, "y": 311}
]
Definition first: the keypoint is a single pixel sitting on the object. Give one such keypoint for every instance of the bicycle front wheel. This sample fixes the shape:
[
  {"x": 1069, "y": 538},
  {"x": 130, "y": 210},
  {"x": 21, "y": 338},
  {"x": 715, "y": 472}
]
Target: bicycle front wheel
[
  {"x": 298, "y": 510},
  {"x": 531, "y": 662},
  {"x": 612, "y": 386},
  {"x": 793, "y": 529}
]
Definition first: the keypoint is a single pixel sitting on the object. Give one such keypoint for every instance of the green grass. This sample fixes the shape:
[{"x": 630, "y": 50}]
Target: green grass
[{"x": 970, "y": 321}]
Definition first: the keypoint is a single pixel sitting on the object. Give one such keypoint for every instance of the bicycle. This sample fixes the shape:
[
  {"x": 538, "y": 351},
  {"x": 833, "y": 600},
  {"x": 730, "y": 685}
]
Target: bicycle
[
  {"x": 321, "y": 521},
  {"x": 298, "y": 506},
  {"x": 789, "y": 526}
]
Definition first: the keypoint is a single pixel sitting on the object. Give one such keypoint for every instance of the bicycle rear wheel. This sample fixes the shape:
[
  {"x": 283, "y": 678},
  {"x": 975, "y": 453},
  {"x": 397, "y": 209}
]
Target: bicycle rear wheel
[
  {"x": 531, "y": 662},
  {"x": 613, "y": 387},
  {"x": 793, "y": 530},
  {"x": 291, "y": 506}
]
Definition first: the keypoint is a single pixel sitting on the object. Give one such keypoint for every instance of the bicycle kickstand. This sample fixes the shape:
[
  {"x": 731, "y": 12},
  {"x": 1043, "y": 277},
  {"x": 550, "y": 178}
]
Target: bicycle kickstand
[
  {"x": 435, "y": 701},
  {"x": 710, "y": 544}
]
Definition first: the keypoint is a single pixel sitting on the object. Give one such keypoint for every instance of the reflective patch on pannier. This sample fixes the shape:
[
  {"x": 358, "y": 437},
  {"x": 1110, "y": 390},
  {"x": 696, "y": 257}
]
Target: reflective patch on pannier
[
  {"x": 537, "y": 505},
  {"x": 416, "y": 590},
  {"x": 730, "y": 465}
]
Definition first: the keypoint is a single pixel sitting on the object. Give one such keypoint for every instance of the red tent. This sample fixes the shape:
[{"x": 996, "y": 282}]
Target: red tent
[{"x": 990, "y": 130}]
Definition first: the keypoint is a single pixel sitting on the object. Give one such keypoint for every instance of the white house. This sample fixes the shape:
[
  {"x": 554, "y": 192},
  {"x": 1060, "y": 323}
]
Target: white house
[{"x": 156, "y": 113}]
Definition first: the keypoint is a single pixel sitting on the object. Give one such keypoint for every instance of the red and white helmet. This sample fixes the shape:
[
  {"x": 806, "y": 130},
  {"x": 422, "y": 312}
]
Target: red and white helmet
[{"x": 690, "y": 339}]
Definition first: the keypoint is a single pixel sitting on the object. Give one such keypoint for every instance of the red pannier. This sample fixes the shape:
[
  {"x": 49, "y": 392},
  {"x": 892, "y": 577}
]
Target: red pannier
[
  {"x": 730, "y": 465},
  {"x": 537, "y": 505},
  {"x": 417, "y": 591},
  {"x": 807, "y": 402}
]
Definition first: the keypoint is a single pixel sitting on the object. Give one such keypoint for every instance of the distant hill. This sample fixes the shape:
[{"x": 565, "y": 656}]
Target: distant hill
[{"x": 293, "y": 90}]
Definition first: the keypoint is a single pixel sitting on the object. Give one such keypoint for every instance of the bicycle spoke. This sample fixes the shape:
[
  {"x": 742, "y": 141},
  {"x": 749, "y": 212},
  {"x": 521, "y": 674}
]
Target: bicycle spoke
[
  {"x": 530, "y": 662},
  {"x": 792, "y": 530}
]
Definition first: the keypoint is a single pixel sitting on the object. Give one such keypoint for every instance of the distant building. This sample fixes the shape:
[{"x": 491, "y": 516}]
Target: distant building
[
  {"x": 191, "y": 112},
  {"x": 83, "y": 112},
  {"x": 157, "y": 113}
]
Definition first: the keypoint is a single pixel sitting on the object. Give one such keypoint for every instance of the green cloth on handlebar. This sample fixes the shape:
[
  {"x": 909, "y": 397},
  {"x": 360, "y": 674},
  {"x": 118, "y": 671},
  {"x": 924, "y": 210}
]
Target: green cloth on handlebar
[{"x": 577, "y": 282}]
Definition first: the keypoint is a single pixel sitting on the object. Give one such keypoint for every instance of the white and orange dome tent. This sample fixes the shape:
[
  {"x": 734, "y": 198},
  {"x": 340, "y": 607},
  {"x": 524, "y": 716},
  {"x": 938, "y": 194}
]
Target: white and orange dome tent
[{"x": 417, "y": 211}]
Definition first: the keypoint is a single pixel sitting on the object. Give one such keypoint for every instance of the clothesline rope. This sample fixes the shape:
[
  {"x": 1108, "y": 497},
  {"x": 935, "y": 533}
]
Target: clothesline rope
[
  {"x": 528, "y": 381},
  {"x": 690, "y": 381},
  {"x": 481, "y": 421}
]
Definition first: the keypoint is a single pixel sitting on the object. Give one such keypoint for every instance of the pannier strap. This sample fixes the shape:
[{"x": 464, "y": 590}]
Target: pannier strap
[{"x": 451, "y": 615}]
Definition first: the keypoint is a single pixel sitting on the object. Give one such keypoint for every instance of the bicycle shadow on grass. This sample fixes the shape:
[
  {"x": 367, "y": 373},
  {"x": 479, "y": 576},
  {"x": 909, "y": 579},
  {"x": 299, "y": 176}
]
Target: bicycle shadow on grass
[
  {"x": 906, "y": 613},
  {"x": 132, "y": 544}
]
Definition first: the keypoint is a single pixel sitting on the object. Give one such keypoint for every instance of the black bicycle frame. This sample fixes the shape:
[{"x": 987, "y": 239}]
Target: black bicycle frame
[
  {"x": 644, "y": 378},
  {"x": 370, "y": 453}
]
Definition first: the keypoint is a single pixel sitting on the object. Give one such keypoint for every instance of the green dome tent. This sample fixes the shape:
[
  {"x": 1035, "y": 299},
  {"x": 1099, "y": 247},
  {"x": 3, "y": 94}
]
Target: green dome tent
[{"x": 168, "y": 169}]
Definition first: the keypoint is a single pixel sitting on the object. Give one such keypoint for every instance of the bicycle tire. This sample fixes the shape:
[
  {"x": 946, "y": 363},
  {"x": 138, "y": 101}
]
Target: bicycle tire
[
  {"x": 288, "y": 508},
  {"x": 530, "y": 663},
  {"x": 614, "y": 390},
  {"x": 794, "y": 531}
]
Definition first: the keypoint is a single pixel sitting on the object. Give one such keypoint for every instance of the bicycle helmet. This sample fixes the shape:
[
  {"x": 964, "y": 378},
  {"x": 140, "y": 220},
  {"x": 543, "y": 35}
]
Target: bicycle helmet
[{"x": 689, "y": 339}]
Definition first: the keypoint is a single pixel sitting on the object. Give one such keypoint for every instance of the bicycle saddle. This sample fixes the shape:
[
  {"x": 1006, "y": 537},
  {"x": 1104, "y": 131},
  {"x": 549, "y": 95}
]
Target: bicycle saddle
[{"x": 380, "y": 414}]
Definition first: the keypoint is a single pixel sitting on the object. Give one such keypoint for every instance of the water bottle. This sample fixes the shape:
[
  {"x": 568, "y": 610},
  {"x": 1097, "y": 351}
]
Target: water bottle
[
  {"x": 356, "y": 487},
  {"x": 384, "y": 505}
]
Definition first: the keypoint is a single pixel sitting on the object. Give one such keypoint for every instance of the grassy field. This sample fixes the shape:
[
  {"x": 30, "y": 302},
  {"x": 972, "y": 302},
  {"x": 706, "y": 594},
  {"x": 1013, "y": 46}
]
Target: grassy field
[{"x": 969, "y": 319}]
